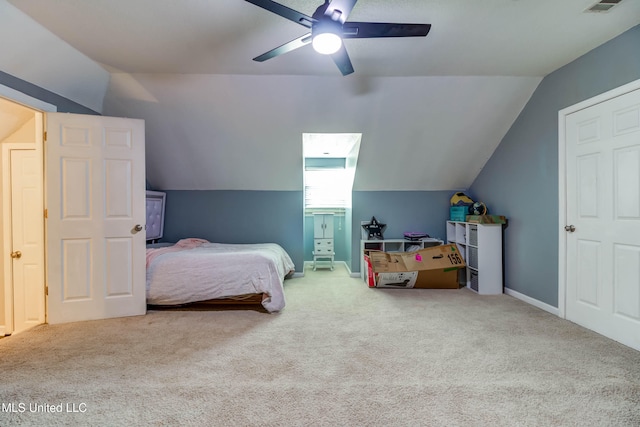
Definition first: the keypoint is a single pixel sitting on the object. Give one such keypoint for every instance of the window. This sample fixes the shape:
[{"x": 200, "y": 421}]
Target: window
[
  {"x": 329, "y": 169},
  {"x": 326, "y": 188}
]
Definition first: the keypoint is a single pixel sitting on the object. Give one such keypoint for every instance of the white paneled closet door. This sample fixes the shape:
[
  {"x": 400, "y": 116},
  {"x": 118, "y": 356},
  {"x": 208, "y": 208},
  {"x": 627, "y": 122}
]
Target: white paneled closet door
[
  {"x": 603, "y": 218},
  {"x": 95, "y": 184},
  {"x": 27, "y": 250}
]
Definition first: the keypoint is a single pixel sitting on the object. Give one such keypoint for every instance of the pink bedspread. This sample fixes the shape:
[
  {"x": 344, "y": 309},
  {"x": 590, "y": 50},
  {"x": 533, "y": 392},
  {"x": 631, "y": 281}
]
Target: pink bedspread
[{"x": 182, "y": 245}]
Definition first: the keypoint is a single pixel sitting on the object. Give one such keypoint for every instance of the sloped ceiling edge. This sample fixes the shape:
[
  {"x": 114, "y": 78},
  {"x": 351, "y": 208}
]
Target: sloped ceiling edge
[{"x": 238, "y": 132}]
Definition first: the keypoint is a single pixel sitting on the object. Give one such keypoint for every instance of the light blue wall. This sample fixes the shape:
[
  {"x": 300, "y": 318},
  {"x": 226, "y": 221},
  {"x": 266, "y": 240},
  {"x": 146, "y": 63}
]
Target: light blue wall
[
  {"x": 402, "y": 211},
  {"x": 238, "y": 217},
  {"x": 277, "y": 216},
  {"x": 521, "y": 178}
]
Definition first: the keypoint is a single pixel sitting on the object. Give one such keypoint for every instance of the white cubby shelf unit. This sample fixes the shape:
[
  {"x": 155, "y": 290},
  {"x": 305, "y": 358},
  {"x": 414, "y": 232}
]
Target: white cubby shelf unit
[{"x": 481, "y": 247}]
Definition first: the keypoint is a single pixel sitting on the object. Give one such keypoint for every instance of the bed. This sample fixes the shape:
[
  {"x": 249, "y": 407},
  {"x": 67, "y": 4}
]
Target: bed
[{"x": 195, "y": 270}]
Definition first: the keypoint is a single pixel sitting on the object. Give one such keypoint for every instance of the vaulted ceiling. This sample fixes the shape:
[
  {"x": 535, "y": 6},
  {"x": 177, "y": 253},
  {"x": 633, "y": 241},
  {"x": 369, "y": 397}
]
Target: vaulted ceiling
[{"x": 431, "y": 110}]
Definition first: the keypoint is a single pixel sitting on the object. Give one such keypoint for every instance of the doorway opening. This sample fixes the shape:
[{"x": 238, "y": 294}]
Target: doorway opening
[
  {"x": 329, "y": 167},
  {"x": 22, "y": 293}
]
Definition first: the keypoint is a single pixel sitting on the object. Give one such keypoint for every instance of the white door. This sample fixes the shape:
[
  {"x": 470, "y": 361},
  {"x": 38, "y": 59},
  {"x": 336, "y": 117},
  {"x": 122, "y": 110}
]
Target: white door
[
  {"x": 26, "y": 239},
  {"x": 95, "y": 184},
  {"x": 603, "y": 207}
]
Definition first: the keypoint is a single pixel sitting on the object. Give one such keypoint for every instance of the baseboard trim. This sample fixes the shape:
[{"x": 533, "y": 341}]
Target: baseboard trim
[
  {"x": 534, "y": 302},
  {"x": 310, "y": 263},
  {"x": 351, "y": 273}
]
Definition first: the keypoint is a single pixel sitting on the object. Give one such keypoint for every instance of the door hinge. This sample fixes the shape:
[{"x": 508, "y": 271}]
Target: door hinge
[
  {"x": 46, "y": 291},
  {"x": 46, "y": 213},
  {"x": 45, "y": 136}
]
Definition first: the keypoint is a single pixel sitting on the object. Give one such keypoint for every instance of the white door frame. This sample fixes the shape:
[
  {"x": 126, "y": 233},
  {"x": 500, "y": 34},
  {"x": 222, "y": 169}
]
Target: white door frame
[
  {"x": 26, "y": 100},
  {"x": 562, "y": 183},
  {"x": 39, "y": 108}
]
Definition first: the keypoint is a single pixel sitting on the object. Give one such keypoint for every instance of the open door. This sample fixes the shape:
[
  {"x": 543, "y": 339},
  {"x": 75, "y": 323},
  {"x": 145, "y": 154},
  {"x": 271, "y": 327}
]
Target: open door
[{"x": 95, "y": 201}]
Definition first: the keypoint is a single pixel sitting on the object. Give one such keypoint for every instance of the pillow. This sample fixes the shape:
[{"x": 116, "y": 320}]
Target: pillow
[{"x": 159, "y": 245}]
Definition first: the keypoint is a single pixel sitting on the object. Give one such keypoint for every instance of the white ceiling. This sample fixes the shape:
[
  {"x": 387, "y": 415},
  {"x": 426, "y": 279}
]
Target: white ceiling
[
  {"x": 468, "y": 37},
  {"x": 431, "y": 110}
]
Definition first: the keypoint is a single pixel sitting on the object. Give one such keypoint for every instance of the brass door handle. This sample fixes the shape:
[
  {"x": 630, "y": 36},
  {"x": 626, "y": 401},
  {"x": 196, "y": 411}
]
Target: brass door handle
[
  {"x": 16, "y": 254},
  {"x": 138, "y": 227}
]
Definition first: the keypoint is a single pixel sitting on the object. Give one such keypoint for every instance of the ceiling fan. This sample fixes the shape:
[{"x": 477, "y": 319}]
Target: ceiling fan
[{"x": 328, "y": 27}]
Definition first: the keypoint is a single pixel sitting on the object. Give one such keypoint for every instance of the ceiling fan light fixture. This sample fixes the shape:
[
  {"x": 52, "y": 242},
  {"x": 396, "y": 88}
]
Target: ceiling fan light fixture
[
  {"x": 325, "y": 39},
  {"x": 329, "y": 26}
]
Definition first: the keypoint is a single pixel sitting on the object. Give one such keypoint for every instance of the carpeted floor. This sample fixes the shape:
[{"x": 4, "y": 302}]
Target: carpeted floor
[{"x": 340, "y": 354}]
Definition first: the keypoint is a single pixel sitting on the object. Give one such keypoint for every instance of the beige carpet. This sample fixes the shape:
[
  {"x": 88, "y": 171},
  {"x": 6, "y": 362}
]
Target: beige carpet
[{"x": 340, "y": 354}]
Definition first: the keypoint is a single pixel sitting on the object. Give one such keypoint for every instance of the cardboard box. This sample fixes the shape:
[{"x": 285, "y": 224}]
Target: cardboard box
[
  {"x": 435, "y": 267},
  {"x": 400, "y": 280},
  {"x": 487, "y": 219},
  {"x": 370, "y": 276}
]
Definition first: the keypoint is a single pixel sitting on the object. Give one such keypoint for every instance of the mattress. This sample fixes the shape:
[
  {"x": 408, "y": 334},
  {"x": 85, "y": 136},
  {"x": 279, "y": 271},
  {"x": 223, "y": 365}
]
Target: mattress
[{"x": 195, "y": 270}]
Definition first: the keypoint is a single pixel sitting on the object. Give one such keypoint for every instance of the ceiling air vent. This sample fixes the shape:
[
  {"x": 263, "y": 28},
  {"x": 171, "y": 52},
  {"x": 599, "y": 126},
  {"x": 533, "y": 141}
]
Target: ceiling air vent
[{"x": 603, "y": 6}]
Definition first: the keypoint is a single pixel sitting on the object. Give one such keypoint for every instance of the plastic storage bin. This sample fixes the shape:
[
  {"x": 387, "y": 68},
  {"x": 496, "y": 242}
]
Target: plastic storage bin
[{"x": 458, "y": 213}]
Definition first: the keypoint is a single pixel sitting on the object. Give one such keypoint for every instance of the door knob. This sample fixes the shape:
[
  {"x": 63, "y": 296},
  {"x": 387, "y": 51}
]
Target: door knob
[
  {"x": 16, "y": 254},
  {"x": 138, "y": 227},
  {"x": 570, "y": 228}
]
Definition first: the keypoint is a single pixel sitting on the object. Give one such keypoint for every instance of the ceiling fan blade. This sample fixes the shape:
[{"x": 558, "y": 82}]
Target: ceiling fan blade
[
  {"x": 287, "y": 47},
  {"x": 339, "y": 10},
  {"x": 285, "y": 12},
  {"x": 365, "y": 30},
  {"x": 341, "y": 58}
]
